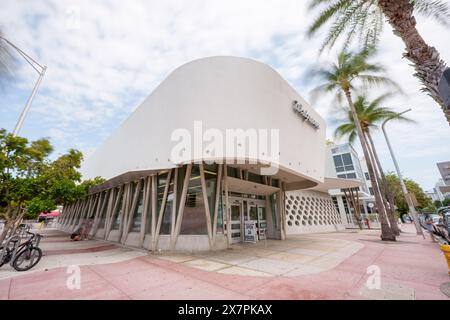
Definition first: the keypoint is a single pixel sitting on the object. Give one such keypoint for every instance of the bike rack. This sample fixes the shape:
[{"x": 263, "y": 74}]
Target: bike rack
[{"x": 16, "y": 241}]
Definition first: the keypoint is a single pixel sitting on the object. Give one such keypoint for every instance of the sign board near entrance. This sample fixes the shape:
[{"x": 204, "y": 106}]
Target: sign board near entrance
[{"x": 249, "y": 231}]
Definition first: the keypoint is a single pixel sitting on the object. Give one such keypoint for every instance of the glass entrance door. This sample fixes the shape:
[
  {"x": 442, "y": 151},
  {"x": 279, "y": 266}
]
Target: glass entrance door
[
  {"x": 243, "y": 210},
  {"x": 256, "y": 213},
  {"x": 236, "y": 222},
  {"x": 262, "y": 222}
]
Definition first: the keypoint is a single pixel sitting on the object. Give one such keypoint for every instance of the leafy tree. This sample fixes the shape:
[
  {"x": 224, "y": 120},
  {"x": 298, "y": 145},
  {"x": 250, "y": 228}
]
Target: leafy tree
[
  {"x": 438, "y": 203},
  {"x": 364, "y": 20},
  {"x": 446, "y": 202},
  {"x": 340, "y": 78},
  {"x": 423, "y": 201},
  {"x": 30, "y": 183},
  {"x": 429, "y": 209}
]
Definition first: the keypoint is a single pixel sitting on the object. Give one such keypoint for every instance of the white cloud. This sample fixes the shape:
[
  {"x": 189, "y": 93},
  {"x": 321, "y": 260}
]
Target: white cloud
[{"x": 100, "y": 72}]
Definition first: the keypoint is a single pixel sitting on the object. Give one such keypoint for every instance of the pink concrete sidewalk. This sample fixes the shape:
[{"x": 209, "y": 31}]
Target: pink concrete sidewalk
[{"x": 410, "y": 262}]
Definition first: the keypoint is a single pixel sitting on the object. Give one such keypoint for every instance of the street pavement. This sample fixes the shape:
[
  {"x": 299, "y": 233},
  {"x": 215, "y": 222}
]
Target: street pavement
[{"x": 343, "y": 265}]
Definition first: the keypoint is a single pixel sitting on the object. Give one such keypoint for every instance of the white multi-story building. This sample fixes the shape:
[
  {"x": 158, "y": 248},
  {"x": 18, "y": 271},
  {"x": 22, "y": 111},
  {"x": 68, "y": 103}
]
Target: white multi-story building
[
  {"x": 343, "y": 162},
  {"x": 443, "y": 186},
  {"x": 439, "y": 191},
  {"x": 434, "y": 194}
]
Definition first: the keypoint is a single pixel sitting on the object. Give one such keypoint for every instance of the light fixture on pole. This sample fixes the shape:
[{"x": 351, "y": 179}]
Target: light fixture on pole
[
  {"x": 36, "y": 66},
  {"x": 408, "y": 199}
]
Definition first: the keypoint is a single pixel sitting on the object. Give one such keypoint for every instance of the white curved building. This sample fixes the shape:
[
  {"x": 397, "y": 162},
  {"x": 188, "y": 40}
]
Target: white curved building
[{"x": 221, "y": 148}]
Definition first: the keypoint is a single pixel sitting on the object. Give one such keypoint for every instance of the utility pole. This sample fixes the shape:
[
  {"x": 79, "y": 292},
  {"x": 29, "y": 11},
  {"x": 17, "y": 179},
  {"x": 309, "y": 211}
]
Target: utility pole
[
  {"x": 40, "y": 70},
  {"x": 412, "y": 209}
]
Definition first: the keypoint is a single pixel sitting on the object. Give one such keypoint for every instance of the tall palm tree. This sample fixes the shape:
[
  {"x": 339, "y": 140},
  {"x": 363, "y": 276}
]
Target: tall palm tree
[
  {"x": 364, "y": 19},
  {"x": 340, "y": 78},
  {"x": 5, "y": 58},
  {"x": 370, "y": 114}
]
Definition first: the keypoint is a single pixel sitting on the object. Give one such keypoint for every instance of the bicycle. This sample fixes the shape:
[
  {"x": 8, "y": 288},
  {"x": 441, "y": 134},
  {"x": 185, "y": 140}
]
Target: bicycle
[
  {"x": 23, "y": 229},
  {"x": 22, "y": 256}
]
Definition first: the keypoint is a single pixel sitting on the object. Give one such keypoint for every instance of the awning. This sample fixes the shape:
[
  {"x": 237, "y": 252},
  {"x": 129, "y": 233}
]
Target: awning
[
  {"x": 336, "y": 183},
  {"x": 249, "y": 187}
]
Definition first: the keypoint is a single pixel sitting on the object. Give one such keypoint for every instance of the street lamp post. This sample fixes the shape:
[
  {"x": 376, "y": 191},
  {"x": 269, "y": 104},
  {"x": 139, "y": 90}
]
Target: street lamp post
[
  {"x": 411, "y": 207},
  {"x": 36, "y": 66}
]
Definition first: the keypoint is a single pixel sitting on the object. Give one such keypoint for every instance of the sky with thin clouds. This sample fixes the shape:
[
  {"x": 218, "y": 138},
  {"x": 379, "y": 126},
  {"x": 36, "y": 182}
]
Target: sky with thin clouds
[{"x": 105, "y": 57}]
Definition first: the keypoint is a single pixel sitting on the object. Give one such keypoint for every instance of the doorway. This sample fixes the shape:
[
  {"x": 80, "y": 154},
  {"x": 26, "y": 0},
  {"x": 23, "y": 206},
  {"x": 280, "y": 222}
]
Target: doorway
[{"x": 246, "y": 209}]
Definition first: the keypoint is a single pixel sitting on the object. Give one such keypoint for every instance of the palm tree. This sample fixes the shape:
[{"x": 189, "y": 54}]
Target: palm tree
[
  {"x": 370, "y": 114},
  {"x": 5, "y": 58},
  {"x": 340, "y": 78},
  {"x": 364, "y": 19}
]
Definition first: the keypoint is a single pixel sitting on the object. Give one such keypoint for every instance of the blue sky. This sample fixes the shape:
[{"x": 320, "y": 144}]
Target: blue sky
[{"x": 105, "y": 57}]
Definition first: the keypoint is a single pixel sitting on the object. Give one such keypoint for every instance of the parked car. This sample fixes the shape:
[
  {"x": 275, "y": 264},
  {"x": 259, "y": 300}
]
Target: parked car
[
  {"x": 442, "y": 210},
  {"x": 434, "y": 217},
  {"x": 446, "y": 221},
  {"x": 443, "y": 227}
]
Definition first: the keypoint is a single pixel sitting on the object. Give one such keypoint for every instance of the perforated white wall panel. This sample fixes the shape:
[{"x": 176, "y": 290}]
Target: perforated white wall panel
[{"x": 311, "y": 211}]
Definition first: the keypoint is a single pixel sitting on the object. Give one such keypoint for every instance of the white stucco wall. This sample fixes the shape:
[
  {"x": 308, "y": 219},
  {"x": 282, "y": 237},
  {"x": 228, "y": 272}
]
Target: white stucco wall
[{"x": 225, "y": 93}]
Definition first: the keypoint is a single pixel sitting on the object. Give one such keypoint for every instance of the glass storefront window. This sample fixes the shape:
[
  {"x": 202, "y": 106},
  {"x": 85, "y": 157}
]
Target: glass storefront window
[
  {"x": 253, "y": 213},
  {"x": 118, "y": 214},
  {"x": 273, "y": 207},
  {"x": 161, "y": 180},
  {"x": 255, "y": 178},
  {"x": 235, "y": 213},
  {"x": 275, "y": 183},
  {"x": 102, "y": 216},
  {"x": 137, "y": 214},
  {"x": 210, "y": 172},
  {"x": 194, "y": 221},
  {"x": 148, "y": 221},
  {"x": 262, "y": 213},
  {"x": 232, "y": 172},
  {"x": 94, "y": 209},
  {"x": 167, "y": 215},
  {"x": 180, "y": 182},
  {"x": 245, "y": 210},
  {"x": 220, "y": 215}
]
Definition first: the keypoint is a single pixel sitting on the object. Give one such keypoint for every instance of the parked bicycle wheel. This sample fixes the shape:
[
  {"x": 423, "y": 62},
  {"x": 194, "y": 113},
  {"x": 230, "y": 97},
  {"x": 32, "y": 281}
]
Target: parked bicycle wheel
[
  {"x": 27, "y": 259},
  {"x": 6, "y": 257}
]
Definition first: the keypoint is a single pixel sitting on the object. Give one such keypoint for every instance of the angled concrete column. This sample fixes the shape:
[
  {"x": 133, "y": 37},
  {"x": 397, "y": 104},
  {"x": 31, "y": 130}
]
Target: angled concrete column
[{"x": 147, "y": 195}]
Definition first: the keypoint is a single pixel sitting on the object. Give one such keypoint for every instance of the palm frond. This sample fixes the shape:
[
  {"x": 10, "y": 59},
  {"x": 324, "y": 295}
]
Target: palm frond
[
  {"x": 369, "y": 80},
  {"x": 348, "y": 19},
  {"x": 315, "y": 3},
  {"x": 377, "y": 23},
  {"x": 365, "y": 25},
  {"x": 320, "y": 89},
  {"x": 400, "y": 117},
  {"x": 437, "y": 9},
  {"x": 327, "y": 14},
  {"x": 344, "y": 130},
  {"x": 6, "y": 59},
  {"x": 377, "y": 101},
  {"x": 344, "y": 21}
]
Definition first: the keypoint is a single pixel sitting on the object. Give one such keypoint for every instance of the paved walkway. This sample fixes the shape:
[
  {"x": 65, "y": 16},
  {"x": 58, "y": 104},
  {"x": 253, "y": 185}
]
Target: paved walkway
[{"x": 319, "y": 266}]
